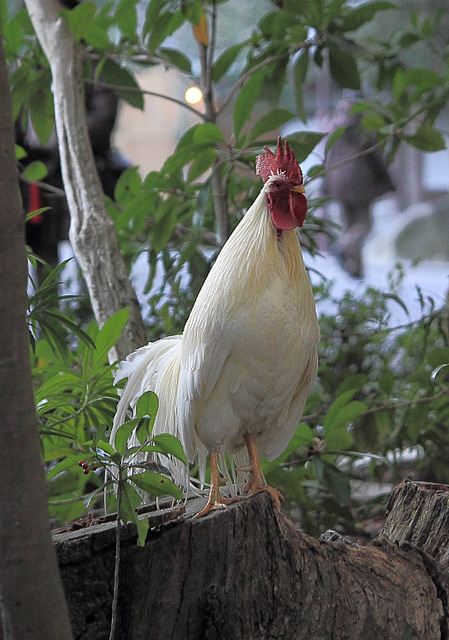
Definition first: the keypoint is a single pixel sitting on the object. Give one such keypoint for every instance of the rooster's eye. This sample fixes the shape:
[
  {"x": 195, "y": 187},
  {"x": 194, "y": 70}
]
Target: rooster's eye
[{"x": 277, "y": 184}]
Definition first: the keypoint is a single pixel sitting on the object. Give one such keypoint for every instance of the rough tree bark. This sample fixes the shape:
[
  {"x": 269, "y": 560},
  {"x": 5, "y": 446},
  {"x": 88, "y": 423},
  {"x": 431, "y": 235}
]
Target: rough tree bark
[
  {"x": 92, "y": 233},
  {"x": 31, "y": 597},
  {"x": 248, "y": 573}
]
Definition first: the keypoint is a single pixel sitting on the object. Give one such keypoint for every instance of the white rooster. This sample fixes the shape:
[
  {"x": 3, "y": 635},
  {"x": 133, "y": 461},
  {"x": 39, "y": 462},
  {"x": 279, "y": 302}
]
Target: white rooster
[{"x": 241, "y": 371}]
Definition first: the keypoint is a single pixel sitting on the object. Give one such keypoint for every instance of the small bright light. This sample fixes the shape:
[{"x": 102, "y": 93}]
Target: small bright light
[{"x": 193, "y": 95}]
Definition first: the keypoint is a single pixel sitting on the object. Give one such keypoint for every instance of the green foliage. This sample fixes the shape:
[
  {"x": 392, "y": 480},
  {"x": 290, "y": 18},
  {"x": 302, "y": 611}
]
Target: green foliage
[
  {"x": 75, "y": 404},
  {"x": 124, "y": 466},
  {"x": 377, "y": 391},
  {"x": 44, "y": 317}
]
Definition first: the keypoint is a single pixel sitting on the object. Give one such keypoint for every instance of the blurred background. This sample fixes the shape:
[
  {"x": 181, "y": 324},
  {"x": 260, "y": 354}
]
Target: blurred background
[{"x": 403, "y": 219}]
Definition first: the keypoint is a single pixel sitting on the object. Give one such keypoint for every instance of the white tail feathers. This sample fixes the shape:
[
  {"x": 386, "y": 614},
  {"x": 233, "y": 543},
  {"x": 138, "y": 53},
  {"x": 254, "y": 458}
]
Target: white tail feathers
[{"x": 154, "y": 367}]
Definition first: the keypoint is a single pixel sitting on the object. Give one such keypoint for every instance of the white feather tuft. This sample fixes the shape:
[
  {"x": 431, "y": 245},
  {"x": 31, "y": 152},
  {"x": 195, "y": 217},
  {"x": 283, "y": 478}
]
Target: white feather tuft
[{"x": 154, "y": 367}]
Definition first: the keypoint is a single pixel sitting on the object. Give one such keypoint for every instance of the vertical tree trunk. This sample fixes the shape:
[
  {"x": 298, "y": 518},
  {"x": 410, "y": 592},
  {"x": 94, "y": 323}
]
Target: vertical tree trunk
[
  {"x": 92, "y": 232},
  {"x": 31, "y": 597}
]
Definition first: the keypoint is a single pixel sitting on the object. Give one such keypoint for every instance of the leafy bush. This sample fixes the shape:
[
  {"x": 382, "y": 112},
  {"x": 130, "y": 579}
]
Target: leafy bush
[
  {"x": 377, "y": 413},
  {"x": 75, "y": 404}
]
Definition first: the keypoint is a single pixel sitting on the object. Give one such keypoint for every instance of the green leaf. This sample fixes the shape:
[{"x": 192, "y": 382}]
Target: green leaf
[
  {"x": 108, "y": 335},
  {"x": 170, "y": 445},
  {"x": 20, "y": 152},
  {"x": 72, "y": 326},
  {"x": 359, "y": 16},
  {"x": 335, "y": 407},
  {"x": 398, "y": 300},
  {"x": 163, "y": 226},
  {"x": 334, "y": 136},
  {"x": 202, "y": 163},
  {"x": 97, "y": 37},
  {"x": 246, "y": 100},
  {"x": 35, "y": 171},
  {"x": 437, "y": 370},
  {"x": 224, "y": 62},
  {"x": 153, "y": 11},
  {"x": 350, "y": 412},
  {"x": 193, "y": 11},
  {"x": 42, "y": 112},
  {"x": 67, "y": 463},
  {"x": 353, "y": 382},
  {"x": 158, "y": 28},
  {"x": 117, "y": 76},
  {"x": 340, "y": 415},
  {"x": 147, "y": 405},
  {"x": 386, "y": 382},
  {"x": 342, "y": 411},
  {"x": 88, "y": 500},
  {"x": 130, "y": 502},
  {"x": 165, "y": 25},
  {"x": 61, "y": 382},
  {"x": 318, "y": 468},
  {"x": 338, "y": 439},
  {"x": 300, "y": 73},
  {"x": 316, "y": 171},
  {"x": 270, "y": 122},
  {"x": 126, "y": 18},
  {"x": 343, "y": 68},
  {"x": 128, "y": 186},
  {"x": 123, "y": 434},
  {"x": 427, "y": 139},
  {"x": 32, "y": 214},
  {"x": 409, "y": 39},
  {"x": 304, "y": 435},
  {"x": 303, "y": 143},
  {"x": 80, "y": 18},
  {"x": 177, "y": 59},
  {"x": 373, "y": 122},
  {"x": 336, "y": 482},
  {"x": 104, "y": 447},
  {"x": 142, "y": 525},
  {"x": 207, "y": 133},
  {"x": 156, "y": 484}
]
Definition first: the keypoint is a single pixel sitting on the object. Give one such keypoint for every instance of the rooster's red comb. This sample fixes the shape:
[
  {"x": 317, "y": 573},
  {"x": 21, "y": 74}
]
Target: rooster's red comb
[{"x": 270, "y": 164}]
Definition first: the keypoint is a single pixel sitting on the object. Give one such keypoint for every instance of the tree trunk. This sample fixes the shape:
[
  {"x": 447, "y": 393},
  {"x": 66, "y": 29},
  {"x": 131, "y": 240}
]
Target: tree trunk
[
  {"x": 31, "y": 596},
  {"x": 92, "y": 232},
  {"x": 248, "y": 573},
  {"x": 418, "y": 515}
]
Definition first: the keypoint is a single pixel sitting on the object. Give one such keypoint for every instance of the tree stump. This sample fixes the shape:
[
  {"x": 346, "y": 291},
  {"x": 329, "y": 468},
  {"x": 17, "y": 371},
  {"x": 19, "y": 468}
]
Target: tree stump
[{"x": 246, "y": 573}]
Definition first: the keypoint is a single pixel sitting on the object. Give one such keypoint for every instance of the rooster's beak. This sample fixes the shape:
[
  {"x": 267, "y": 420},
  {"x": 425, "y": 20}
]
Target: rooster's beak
[{"x": 299, "y": 188}]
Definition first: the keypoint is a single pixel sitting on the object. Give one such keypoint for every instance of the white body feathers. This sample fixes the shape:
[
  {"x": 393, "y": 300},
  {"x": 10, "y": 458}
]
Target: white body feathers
[{"x": 248, "y": 354}]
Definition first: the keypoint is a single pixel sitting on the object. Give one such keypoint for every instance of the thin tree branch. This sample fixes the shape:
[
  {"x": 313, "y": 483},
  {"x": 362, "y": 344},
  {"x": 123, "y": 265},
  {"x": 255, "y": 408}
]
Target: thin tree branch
[
  {"x": 117, "y": 562},
  {"x": 147, "y": 92},
  {"x": 392, "y": 406},
  {"x": 43, "y": 185},
  {"x": 356, "y": 156}
]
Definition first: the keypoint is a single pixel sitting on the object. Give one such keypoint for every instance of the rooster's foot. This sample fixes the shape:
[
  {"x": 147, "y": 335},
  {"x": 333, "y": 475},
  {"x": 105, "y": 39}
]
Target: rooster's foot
[
  {"x": 215, "y": 505},
  {"x": 257, "y": 482},
  {"x": 251, "y": 488}
]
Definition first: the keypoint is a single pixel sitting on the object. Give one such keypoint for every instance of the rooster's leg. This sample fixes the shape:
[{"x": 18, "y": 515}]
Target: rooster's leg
[
  {"x": 215, "y": 501},
  {"x": 257, "y": 481}
]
